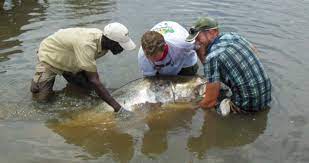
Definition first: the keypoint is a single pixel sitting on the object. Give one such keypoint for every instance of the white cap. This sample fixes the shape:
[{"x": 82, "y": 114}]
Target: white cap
[{"x": 119, "y": 33}]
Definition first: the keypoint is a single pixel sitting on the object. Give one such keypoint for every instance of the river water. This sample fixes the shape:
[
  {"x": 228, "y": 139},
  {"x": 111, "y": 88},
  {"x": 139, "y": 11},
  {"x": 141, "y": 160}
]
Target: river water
[{"x": 67, "y": 130}]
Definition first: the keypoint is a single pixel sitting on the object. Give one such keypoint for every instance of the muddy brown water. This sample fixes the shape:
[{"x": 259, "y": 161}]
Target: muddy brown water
[{"x": 68, "y": 130}]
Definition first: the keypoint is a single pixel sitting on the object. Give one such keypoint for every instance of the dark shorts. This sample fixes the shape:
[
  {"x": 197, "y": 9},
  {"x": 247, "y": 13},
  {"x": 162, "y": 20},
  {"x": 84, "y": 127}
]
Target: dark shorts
[
  {"x": 189, "y": 71},
  {"x": 44, "y": 79},
  {"x": 43, "y": 82}
]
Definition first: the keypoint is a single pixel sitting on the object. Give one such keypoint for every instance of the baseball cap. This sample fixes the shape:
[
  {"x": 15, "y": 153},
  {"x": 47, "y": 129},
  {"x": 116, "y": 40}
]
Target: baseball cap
[
  {"x": 119, "y": 33},
  {"x": 203, "y": 23}
]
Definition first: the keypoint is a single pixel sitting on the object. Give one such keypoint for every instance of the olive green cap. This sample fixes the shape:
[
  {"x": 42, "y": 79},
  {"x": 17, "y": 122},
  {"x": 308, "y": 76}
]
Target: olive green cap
[{"x": 203, "y": 23}]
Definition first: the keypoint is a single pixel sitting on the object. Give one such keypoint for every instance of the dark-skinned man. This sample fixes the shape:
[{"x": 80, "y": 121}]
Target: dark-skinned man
[
  {"x": 72, "y": 53},
  {"x": 230, "y": 60}
]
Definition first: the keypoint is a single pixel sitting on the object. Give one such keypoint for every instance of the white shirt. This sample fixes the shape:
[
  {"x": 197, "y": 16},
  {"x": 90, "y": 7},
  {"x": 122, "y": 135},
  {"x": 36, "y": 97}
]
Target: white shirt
[{"x": 181, "y": 54}]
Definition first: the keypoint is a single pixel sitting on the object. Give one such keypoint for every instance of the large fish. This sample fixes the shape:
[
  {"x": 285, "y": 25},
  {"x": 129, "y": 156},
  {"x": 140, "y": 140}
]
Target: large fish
[{"x": 158, "y": 90}]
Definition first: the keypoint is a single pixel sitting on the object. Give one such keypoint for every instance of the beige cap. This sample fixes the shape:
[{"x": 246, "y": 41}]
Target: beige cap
[
  {"x": 203, "y": 23},
  {"x": 119, "y": 33}
]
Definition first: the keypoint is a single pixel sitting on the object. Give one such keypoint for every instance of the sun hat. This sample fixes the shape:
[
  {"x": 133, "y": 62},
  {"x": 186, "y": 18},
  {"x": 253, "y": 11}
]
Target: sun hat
[{"x": 119, "y": 33}]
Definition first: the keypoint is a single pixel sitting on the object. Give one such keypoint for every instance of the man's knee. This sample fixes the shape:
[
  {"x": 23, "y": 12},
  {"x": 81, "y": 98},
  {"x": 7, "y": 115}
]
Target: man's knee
[{"x": 42, "y": 91}]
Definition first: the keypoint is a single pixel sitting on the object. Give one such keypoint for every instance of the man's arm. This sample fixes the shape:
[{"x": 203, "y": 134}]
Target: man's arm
[
  {"x": 93, "y": 77},
  {"x": 211, "y": 95}
]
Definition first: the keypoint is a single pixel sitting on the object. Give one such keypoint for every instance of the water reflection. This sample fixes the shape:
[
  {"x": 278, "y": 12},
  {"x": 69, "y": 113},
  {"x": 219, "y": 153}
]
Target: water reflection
[
  {"x": 103, "y": 134},
  {"x": 97, "y": 133},
  {"x": 85, "y": 12},
  {"x": 18, "y": 14},
  {"x": 224, "y": 132},
  {"x": 161, "y": 122},
  {"x": 82, "y": 8}
]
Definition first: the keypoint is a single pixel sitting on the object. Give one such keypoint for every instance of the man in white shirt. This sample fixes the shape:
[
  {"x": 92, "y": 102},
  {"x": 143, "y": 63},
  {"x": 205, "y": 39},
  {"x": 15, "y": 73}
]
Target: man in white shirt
[
  {"x": 72, "y": 53},
  {"x": 164, "y": 51}
]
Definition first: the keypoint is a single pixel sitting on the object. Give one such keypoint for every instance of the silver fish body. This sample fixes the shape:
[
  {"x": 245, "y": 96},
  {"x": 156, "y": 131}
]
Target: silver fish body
[{"x": 158, "y": 89}]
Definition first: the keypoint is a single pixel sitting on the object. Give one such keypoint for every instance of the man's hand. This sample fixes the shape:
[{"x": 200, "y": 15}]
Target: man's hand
[
  {"x": 124, "y": 113},
  {"x": 102, "y": 92},
  {"x": 211, "y": 95},
  {"x": 123, "y": 110},
  {"x": 205, "y": 105}
]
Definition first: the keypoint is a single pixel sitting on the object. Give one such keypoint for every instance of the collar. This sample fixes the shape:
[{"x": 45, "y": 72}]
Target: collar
[
  {"x": 215, "y": 41},
  {"x": 99, "y": 50},
  {"x": 164, "y": 53}
]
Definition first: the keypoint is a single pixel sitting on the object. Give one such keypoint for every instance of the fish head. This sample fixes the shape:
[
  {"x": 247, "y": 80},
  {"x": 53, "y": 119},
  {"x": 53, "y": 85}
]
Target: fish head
[
  {"x": 160, "y": 91},
  {"x": 189, "y": 90}
]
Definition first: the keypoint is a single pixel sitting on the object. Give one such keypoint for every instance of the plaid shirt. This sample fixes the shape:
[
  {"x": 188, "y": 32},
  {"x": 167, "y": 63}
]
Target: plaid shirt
[{"x": 232, "y": 60}]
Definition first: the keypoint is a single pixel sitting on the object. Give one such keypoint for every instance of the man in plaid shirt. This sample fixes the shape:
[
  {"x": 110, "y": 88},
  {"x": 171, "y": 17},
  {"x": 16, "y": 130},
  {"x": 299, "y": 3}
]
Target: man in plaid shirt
[{"x": 230, "y": 59}]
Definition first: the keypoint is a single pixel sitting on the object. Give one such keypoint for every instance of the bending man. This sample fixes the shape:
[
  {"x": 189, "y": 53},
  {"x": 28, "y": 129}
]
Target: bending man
[
  {"x": 72, "y": 53},
  {"x": 230, "y": 59},
  {"x": 164, "y": 51}
]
